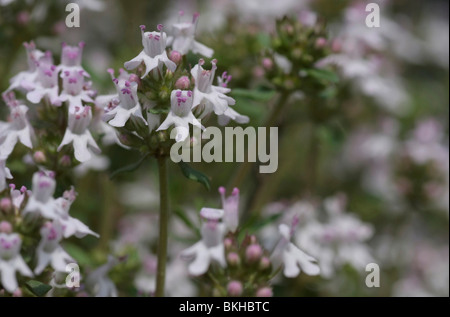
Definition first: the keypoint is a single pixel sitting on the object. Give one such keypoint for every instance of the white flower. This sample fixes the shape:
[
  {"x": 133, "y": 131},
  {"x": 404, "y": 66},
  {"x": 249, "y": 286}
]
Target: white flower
[
  {"x": 183, "y": 40},
  {"x": 4, "y": 174},
  {"x": 212, "y": 98},
  {"x": 46, "y": 85},
  {"x": 293, "y": 259},
  {"x": 18, "y": 129},
  {"x": 41, "y": 200},
  {"x": 77, "y": 133},
  {"x": 49, "y": 251},
  {"x": 71, "y": 226},
  {"x": 11, "y": 261},
  {"x": 74, "y": 88},
  {"x": 210, "y": 247},
  {"x": 126, "y": 107},
  {"x": 25, "y": 80},
  {"x": 180, "y": 114},
  {"x": 98, "y": 283},
  {"x": 230, "y": 113},
  {"x": 71, "y": 57},
  {"x": 230, "y": 207},
  {"x": 154, "y": 52},
  {"x": 18, "y": 196}
]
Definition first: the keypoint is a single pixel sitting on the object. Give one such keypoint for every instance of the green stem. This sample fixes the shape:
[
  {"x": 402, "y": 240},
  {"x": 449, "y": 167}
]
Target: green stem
[{"x": 163, "y": 226}]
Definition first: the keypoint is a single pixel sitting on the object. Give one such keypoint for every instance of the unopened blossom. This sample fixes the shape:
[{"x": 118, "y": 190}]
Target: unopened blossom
[
  {"x": 210, "y": 97},
  {"x": 25, "y": 80},
  {"x": 49, "y": 251},
  {"x": 154, "y": 53},
  {"x": 98, "y": 282},
  {"x": 78, "y": 134},
  {"x": 17, "y": 129},
  {"x": 211, "y": 246},
  {"x": 41, "y": 201},
  {"x": 126, "y": 106},
  {"x": 71, "y": 226},
  {"x": 46, "y": 85},
  {"x": 11, "y": 261},
  {"x": 74, "y": 88},
  {"x": 183, "y": 39},
  {"x": 71, "y": 57},
  {"x": 293, "y": 259},
  {"x": 230, "y": 207},
  {"x": 180, "y": 114},
  {"x": 4, "y": 174}
]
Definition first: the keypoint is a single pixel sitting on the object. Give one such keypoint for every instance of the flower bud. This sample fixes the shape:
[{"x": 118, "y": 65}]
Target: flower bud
[
  {"x": 5, "y": 204},
  {"x": 5, "y": 227},
  {"x": 228, "y": 243},
  {"x": 176, "y": 57},
  {"x": 235, "y": 288},
  {"x": 264, "y": 292},
  {"x": 321, "y": 42},
  {"x": 17, "y": 293},
  {"x": 264, "y": 264},
  {"x": 65, "y": 161},
  {"x": 267, "y": 63},
  {"x": 183, "y": 83},
  {"x": 253, "y": 253},
  {"x": 233, "y": 259},
  {"x": 39, "y": 157}
]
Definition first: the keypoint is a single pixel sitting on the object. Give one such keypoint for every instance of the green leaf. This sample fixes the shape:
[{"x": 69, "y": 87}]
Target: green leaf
[
  {"x": 194, "y": 175},
  {"x": 254, "y": 94},
  {"x": 263, "y": 39},
  {"x": 38, "y": 288},
  {"x": 323, "y": 74},
  {"x": 129, "y": 168}
]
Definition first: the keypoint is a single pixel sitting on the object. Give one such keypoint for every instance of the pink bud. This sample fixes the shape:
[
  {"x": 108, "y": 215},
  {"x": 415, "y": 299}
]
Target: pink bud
[
  {"x": 65, "y": 161},
  {"x": 5, "y": 204},
  {"x": 17, "y": 293},
  {"x": 336, "y": 46},
  {"x": 176, "y": 57},
  {"x": 23, "y": 17},
  {"x": 253, "y": 253},
  {"x": 228, "y": 243},
  {"x": 5, "y": 227},
  {"x": 183, "y": 83},
  {"x": 321, "y": 42},
  {"x": 39, "y": 157},
  {"x": 235, "y": 288},
  {"x": 264, "y": 292},
  {"x": 264, "y": 264},
  {"x": 233, "y": 259},
  {"x": 258, "y": 72},
  {"x": 267, "y": 63},
  {"x": 134, "y": 78}
]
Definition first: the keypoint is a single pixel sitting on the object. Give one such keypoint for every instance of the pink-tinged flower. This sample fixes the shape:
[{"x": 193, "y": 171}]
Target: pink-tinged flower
[
  {"x": 183, "y": 40},
  {"x": 154, "y": 53},
  {"x": 17, "y": 129},
  {"x": 230, "y": 113},
  {"x": 71, "y": 57},
  {"x": 5, "y": 173},
  {"x": 211, "y": 97},
  {"x": 230, "y": 207},
  {"x": 71, "y": 226},
  {"x": 293, "y": 259},
  {"x": 210, "y": 247},
  {"x": 49, "y": 251},
  {"x": 11, "y": 261},
  {"x": 78, "y": 134},
  {"x": 41, "y": 201},
  {"x": 75, "y": 88},
  {"x": 25, "y": 80},
  {"x": 180, "y": 114},
  {"x": 46, "y": 85},
  {"x": 126, "y": 106},
  {"x": 98, "y": 282},
  {"x": 18, "y": 195}
]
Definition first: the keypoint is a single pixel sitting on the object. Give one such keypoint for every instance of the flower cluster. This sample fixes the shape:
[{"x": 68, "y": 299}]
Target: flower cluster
[
  {"x": 26, "y": 212},
  {"x": 154, "y": 99}
]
